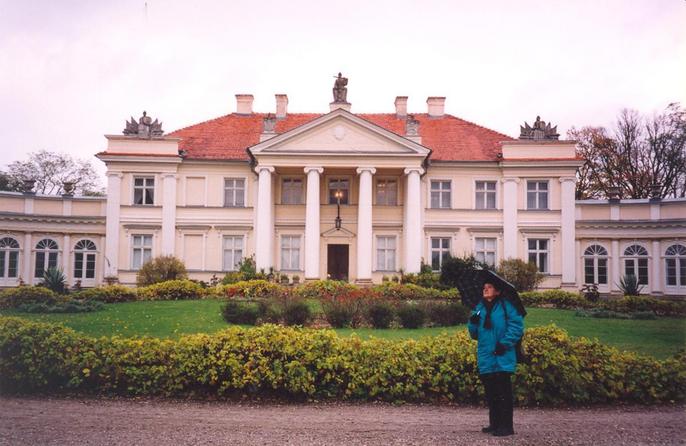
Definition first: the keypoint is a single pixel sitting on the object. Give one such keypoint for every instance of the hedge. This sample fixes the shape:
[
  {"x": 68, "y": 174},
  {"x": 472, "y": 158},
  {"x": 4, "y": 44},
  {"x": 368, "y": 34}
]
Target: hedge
[
  {"x": 171, "y": 290},
  {"x": 28, "y": 295},
  {"x": 304, "y": 363},
  {"x": 108, "y": 294}
]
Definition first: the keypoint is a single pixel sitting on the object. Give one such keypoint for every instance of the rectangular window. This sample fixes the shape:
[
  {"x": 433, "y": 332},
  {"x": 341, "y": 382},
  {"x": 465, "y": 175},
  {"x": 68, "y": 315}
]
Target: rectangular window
[
  {"x": 537, "y": 195},
  {"x": 385, "y": 253},
  {"x": 81, "y": 259},
  {"x": 141, "y": 250},
  {"x": 485, "y": 195},
  {"x": 440, "y": 250},
  {"x": 292, "y": 191},
  {"x": 638, "y": 268},
  {"x": 440, "y": 195},
  {"x": 234, "y": 192},
  {"x": 386, "y": 192},
  {"x": 144, "y": 190},
  {"x": 339, "y": 184},
  {"x": 290, "y": 252},
  {"x": 233, "y": 252},
  {"x": 538, "y": 253},
  {"x": 485, "y": 250}
]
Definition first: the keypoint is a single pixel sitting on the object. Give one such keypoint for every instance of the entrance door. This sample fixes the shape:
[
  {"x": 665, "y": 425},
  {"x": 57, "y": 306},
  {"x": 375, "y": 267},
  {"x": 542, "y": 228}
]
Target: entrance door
[{"x": 337, "y": 262}]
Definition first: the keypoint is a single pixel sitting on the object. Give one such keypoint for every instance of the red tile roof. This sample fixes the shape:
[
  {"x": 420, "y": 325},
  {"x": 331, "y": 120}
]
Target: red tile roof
[{"x": 449, "y": 138}]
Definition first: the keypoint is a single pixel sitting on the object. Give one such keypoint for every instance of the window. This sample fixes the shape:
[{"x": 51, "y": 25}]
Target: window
[
  {"x": 538, "y": 253},
  {"x": 636, "y": 263},
  {"x": 385, "y": 253},
  {"x": 290, "y": 252},
  {"x": 485, "y": 195},
  {"x": 233, "y": 252},
  {"x": 595, "y": 265},
  {"x": 440, "y": 194},
  {"x": 292, "y": 191},
  {"x": 142, "y": 250},
  {"x": 84, "y": 260},
  {"x": 234, "y": 192},
  {"x": 440, "y": 250},
  {"x": 144, "y": 190},
  {"x": 46, "y": 256},
  {"x": 484, "y": 250},
  {"x": 386, "y": 192},
  {"x": 9, "y": 258},
  {"x": 336, "y": 184},
  {"x": 537, "y": 195},
  {"x": 675, "y": 265}
]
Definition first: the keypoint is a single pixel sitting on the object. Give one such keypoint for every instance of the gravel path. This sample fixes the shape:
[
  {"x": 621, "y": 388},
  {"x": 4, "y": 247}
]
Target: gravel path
[{"x": 60, "y": 421}]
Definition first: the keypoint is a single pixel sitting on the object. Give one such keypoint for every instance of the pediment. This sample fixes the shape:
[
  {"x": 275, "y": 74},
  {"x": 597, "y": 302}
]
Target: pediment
[{"x": 340, "y": 133}]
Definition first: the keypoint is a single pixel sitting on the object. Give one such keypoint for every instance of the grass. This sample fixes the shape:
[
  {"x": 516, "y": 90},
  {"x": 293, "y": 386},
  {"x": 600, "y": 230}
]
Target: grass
[{"x": 170, "y": 319}]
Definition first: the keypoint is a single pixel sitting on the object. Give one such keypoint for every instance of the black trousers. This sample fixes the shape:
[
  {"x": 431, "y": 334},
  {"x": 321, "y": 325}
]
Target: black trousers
[{"x": 498, "y": 388}]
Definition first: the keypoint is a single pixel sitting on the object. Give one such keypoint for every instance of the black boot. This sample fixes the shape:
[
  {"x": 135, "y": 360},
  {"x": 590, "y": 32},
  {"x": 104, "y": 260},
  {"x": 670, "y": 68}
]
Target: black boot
[
  {"x": 492, "y": 420},
  {"x": 504, "y": 427}
]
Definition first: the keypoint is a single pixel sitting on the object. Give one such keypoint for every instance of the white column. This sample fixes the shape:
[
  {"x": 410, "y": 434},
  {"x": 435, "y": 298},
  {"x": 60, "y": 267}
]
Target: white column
[
  {"x": 264, "y": 233},
  {"x": 614, "y": 266},
  {"x": 568, "y": 229},
  {"x": 364, "y": 225},
  {"x": 412, "y": 225},
  {"x": 168, "y": 214},
  {"x": 112, "y": 223},
  {"x": 66, "y": 256},
  {"x": 312, "y": 222},
  {"x": 656, "y": 280},
  {"x": 27, "y": 258},
  {"x": 510, "y": 218}
]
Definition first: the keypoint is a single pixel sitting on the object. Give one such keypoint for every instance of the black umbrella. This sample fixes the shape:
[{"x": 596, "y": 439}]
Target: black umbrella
[{"x": 470, "y": 284}]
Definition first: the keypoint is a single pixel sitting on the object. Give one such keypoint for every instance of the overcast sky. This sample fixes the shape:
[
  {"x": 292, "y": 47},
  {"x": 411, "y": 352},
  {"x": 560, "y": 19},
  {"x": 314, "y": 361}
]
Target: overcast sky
[{"x": 74, "y": 70}]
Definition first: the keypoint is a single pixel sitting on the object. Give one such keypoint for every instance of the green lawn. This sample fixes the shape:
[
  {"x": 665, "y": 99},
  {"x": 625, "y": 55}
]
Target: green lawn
[{"x": 659, "y": 338}]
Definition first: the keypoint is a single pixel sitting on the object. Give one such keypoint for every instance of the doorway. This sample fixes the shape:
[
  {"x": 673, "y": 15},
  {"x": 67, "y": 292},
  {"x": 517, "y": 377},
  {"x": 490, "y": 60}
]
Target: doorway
[{"x": 337, "y": 262}]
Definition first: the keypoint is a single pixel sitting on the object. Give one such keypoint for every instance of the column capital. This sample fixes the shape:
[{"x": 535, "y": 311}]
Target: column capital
[
  {"x": 510, "y": 180},
  {"x": 317, "y": 169},
  {"x": 409, "y": 170},
  {"x": 371, "y": 170},
  {"x": 260, "y": 168},
  {"x": 567, "y": 179},
  {"x": 114, "y": 174},
  {"x": 168, "y": 175}
]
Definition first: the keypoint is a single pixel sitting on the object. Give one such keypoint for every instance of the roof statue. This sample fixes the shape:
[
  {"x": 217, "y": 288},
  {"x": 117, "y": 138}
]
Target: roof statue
[
  {"x": 269, "y": 123},
  {"x": 340, "y": 90},
  {"x": 540, "y": 130},
  {"x": 411, "y": 126},
  {"x": 144, "y": 128}
]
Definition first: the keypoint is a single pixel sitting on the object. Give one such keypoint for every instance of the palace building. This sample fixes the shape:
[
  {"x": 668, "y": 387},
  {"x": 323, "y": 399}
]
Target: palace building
[{"x": 342, "y": 195}]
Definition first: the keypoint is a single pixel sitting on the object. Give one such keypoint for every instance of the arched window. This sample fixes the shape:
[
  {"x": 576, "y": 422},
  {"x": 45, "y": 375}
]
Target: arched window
[
  {"x": 9, "y": 258},
  {"x": 636, "y": 263},
  {"x": 84, "y": 260},
  {"x": 675, "y": 265},
  {"x": 46, "y": 256},
  {"x": 595, "y": 265}
]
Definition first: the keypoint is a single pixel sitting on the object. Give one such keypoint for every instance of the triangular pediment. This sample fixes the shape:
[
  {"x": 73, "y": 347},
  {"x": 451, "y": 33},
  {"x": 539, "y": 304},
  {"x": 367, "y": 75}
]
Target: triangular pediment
[{"x": 339, "y": 132}]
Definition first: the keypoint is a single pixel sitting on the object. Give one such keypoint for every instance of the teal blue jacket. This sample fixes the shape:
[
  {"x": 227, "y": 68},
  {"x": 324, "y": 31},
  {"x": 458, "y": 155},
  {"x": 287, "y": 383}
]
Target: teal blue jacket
[{"x": 506, "y": 330}]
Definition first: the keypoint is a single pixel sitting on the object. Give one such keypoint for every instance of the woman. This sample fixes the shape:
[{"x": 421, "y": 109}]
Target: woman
[{"x": 497, "y": 326}]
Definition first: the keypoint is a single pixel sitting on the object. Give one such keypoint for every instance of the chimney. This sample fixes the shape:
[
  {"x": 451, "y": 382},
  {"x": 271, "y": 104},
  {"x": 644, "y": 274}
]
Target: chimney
[
  {"x": 244, "y": 104},
  {"x": 281, "y": 105},
  {"x": 436, "y": 106},
  {"x": 401, "y": 106}
]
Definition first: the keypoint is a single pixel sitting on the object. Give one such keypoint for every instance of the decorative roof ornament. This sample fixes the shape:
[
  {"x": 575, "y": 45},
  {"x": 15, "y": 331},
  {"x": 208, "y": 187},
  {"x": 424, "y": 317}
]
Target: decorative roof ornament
[
  {"x": 144, "y": 128},
  {"x": 540, "y": 130},
  {"x": 411, "y": 126},
  {"x": 340, "y": 89},
  {"x": 269, "y": 123}
]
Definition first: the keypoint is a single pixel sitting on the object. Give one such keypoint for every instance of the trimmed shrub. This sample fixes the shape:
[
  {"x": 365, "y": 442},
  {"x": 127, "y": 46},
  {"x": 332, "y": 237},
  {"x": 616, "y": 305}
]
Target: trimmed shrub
[
  {"x": 171, "y": 290},
  {"x": 524, "y": 276},
  {"x": 554, "y": 298},
  {"x": 380, "y": 314},
  {"x": 323, "y": 289},
  {"x": 237, "y": 312},
  {"x": 396, "y": 291},
  {"x": 161, "y": 269},
  {"x": 270, "y": 361},
  {"x": 253, "y": 289},
  {"x": 633, "y": 304},
  {"x": 271, "y": 310},
  {"x": 108, "y": 294},
  {"x": 70, "y": 306},
  {"x": 346, "y": 308},
  {"x": 27, "y": 295},
  {"x": 446, "y": 314},
  {"x": 452, "y": 269},
  {"x": 296, "y": 312},
  {"x": 411, "y": 315}
]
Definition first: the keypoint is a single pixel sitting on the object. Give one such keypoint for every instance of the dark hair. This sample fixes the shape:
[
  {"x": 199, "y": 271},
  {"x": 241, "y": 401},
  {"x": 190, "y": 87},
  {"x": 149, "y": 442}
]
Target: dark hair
[{"x": 497, "y": 285}]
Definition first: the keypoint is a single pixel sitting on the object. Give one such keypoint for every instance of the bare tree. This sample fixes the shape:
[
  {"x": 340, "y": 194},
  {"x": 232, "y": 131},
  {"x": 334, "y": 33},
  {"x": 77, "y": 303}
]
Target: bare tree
[
  {"x": 51, "y": 170},
  {"x": 640, "y": 152}
]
